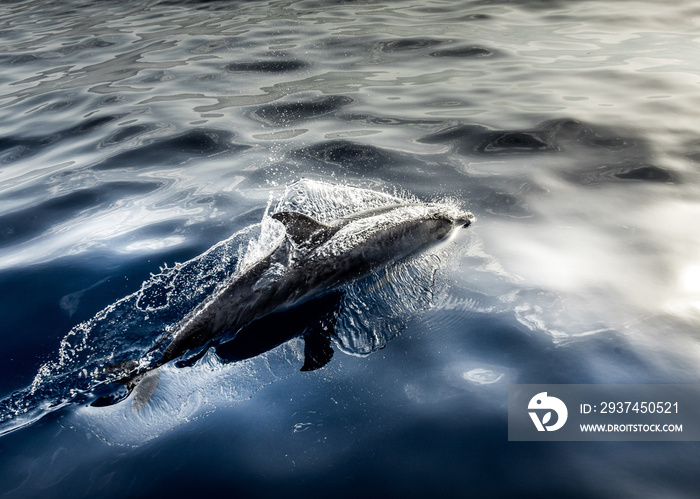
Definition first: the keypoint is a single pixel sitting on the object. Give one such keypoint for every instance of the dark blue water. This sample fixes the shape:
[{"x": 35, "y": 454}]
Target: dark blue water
[{"x": 136, "y": 136}]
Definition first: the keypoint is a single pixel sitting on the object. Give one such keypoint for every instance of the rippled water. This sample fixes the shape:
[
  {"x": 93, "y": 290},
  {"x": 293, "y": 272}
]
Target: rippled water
[{"x": 136, "y": 135}]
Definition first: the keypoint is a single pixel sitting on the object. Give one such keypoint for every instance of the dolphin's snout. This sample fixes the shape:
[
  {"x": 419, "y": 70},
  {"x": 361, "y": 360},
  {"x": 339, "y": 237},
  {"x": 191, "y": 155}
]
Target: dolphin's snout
[{"x": 465, "y": 219}]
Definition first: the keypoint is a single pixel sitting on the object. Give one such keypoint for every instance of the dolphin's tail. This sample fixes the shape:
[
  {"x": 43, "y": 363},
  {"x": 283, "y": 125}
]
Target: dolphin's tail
[
  {"x": 142, "y": 385},
  {"x": 144, "y": 389}
]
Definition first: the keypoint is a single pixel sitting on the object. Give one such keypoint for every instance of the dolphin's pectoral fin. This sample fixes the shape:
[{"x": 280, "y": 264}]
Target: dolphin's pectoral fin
[
  {"x": 264, "y": 334},
  {"x": 317, "y": 349},
  {"x": 303, "y": 229},
  {"x": 144, "y": 388}
]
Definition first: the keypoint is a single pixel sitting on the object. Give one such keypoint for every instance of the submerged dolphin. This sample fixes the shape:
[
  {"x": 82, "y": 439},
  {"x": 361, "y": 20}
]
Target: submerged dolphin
[{"x": 312, "y": 260}]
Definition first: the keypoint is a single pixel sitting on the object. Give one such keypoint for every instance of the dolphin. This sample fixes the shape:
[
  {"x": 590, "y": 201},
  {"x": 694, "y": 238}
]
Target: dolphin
[{"x": 311, "y": 262}]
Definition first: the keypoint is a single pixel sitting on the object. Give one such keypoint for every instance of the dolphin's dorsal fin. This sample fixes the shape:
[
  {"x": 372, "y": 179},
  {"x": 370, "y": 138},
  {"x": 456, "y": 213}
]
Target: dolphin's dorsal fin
[{"x": 301, "y": 228}]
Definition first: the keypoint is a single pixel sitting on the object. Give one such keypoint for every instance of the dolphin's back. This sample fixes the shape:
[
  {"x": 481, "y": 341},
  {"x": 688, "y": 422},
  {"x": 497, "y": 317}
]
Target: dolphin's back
[
  {"x": 232, "y": 305},
  {"x": 314, "y": 258}
]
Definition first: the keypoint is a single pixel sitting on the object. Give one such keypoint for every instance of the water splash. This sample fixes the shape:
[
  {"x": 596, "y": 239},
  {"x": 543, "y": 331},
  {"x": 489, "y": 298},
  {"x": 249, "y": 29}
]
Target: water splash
[{"x": 373, "y": 310}]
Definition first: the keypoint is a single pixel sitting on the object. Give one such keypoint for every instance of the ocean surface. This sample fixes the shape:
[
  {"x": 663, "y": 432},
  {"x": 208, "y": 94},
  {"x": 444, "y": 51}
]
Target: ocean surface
[{"x": 143, "y": 145}]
